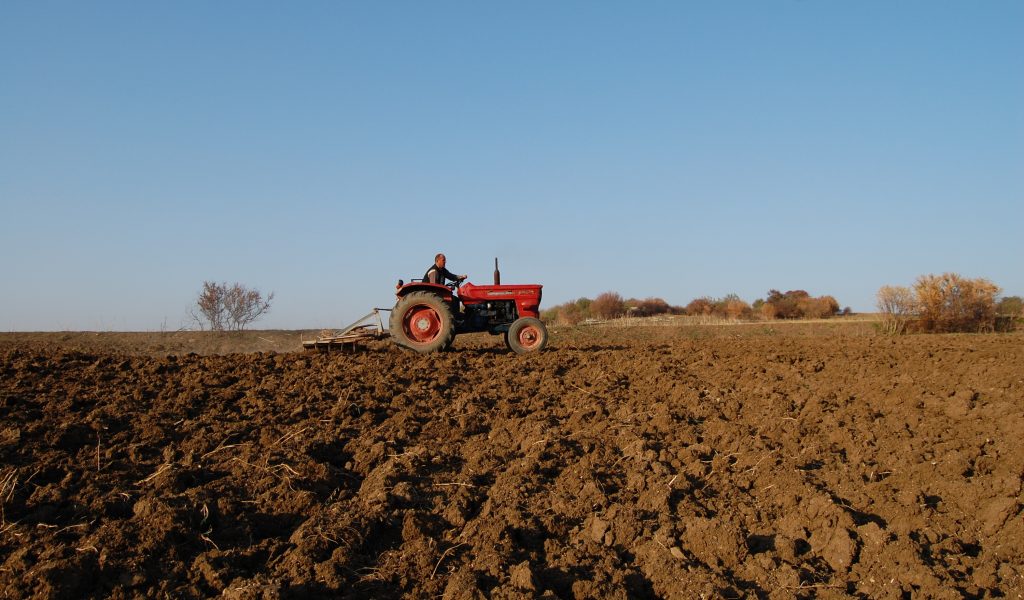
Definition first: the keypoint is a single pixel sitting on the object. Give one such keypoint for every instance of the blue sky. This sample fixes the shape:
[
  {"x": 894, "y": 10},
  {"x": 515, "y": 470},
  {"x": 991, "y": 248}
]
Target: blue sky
[{"x": 322, "y": 150}]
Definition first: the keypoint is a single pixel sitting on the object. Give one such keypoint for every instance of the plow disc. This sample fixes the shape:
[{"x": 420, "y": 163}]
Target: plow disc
[{"x": 370, "y": 327}]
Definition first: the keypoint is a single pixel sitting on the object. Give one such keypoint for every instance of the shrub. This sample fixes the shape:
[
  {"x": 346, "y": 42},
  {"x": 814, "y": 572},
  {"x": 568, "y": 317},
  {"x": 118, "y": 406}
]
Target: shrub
[
  {"x": 831, "y": 306},
  {"x": 1011, "y": 306},
  {"x": 818, "y": 308},
  {"x": 649, "y": 307},
  {"x": 608, "y": 305},
  {"x": 570, "y": 313},
  {"x": 231, "y": 307},
  {"x": 787, "y": 306},
  {"x": 731, "y": 307},
  {"x": 797, "y": 304},
  {"x": 700, "y": 306},
  {"x": 737, "y": 309},
  {"x": 728, "y": 307},
  {"x": 949, "y": 302},
  {"x": 898, "y": 306}
]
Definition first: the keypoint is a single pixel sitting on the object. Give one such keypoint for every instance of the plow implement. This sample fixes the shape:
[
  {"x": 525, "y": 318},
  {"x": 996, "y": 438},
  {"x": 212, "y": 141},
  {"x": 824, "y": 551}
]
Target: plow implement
[{"x": 370, "y": 327}]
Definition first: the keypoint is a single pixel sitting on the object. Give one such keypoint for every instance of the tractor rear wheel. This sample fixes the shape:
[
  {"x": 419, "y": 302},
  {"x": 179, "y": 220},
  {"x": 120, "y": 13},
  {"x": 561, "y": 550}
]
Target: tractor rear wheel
[
  {"x": 423, "y": 322},
  {"x": 527, "y": 335}
]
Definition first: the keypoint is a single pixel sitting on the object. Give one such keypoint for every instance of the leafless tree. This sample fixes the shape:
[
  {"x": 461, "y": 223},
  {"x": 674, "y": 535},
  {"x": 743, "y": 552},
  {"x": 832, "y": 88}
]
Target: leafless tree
[
  {"x": 210, "y": 304},
  {"x": 229, "y": 307},
  {"x": 245, "y": 306},
  {"x": 898, "y": 306}
]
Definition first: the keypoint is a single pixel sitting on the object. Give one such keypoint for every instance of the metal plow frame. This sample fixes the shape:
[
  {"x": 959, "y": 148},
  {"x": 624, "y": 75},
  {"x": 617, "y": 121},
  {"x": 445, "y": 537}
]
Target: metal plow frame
[{"x": 370, "y": 327}]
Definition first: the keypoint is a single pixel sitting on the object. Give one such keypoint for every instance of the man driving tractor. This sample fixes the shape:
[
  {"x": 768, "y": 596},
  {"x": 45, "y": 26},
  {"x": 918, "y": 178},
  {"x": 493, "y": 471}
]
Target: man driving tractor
[
  {"x": 437, "y": 273},
  {"x": 428, "y": 315}
]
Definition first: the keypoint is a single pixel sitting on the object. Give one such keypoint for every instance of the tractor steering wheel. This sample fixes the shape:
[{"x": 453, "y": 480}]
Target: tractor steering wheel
[{"x": 454, "y": 285}]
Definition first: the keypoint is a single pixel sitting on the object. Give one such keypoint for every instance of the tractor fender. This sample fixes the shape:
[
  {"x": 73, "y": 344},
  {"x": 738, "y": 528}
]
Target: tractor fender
[{"x": 419, "y": 286}]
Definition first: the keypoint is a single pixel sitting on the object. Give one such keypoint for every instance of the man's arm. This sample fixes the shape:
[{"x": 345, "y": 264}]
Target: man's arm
[{"x": 449, "y": 275}]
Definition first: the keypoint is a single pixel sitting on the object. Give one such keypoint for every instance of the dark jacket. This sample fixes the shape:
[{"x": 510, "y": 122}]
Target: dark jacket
[{"x": 438, "y": 275}]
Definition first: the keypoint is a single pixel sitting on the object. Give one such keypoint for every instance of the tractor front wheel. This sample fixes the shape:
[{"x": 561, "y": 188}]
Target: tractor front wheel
[
  {"x": 423, "y": 322},
  {"x": 527, "y": 335}
]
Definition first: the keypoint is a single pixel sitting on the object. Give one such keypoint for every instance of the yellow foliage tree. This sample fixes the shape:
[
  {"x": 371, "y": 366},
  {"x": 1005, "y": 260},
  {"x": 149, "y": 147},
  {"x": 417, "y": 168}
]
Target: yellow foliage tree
[{"x": 949, "y": 302}]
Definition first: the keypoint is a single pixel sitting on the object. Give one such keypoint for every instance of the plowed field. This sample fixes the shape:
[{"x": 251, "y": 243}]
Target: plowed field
[{"x": 612, "y": 465}]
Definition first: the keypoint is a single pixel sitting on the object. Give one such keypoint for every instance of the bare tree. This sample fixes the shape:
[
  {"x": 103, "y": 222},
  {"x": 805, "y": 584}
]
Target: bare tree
[
  {"x": 231, "y": 307},
  {"x": 245, "y": 306},
  {"x": 211, "y": 307},
  {"x": 897, "y": 305}
]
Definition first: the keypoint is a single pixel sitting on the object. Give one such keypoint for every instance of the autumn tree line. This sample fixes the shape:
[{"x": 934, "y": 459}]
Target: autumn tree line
[
  {"x": 794, "y": 304},
  {"x": 934, "y": 304}
]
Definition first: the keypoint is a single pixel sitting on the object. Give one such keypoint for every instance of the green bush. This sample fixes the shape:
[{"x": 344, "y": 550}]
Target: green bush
[{"x": 1011, "y": 306}]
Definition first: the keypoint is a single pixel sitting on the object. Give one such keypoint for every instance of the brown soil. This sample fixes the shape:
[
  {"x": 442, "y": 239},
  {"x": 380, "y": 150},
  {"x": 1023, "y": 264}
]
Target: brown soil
[{"x": 617, "y": 464}]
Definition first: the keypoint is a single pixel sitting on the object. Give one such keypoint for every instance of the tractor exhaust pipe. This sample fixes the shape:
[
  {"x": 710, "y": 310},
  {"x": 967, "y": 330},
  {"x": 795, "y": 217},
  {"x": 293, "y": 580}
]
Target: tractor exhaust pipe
[{"x": 497, "y": 273}]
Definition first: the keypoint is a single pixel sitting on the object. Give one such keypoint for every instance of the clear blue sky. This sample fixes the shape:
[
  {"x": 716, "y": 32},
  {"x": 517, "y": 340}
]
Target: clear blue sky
[{"x": 322, "y": 150}]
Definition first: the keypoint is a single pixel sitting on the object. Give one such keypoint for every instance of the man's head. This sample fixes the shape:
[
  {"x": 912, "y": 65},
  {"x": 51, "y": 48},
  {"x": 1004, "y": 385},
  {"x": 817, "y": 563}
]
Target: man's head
[{"x": 440, "y": 260}]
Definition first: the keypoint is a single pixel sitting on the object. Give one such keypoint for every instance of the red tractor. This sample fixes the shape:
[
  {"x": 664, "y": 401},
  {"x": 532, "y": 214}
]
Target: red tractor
[{"x": 428, "y": 316}]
